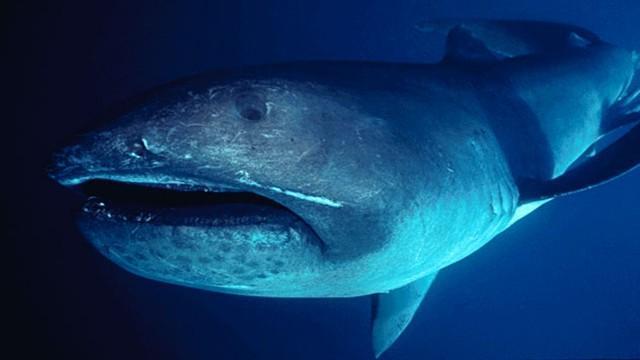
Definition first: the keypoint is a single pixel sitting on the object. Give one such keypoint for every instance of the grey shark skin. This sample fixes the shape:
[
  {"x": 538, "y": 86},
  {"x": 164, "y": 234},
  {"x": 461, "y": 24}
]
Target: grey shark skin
[{"x": 336, "y": 179}]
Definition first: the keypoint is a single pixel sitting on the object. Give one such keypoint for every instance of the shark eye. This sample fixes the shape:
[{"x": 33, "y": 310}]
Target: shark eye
[{"x": 251, "y": 106}]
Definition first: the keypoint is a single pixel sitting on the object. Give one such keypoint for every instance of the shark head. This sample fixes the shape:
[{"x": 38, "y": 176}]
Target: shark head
[{"x": 253, "y": 185}]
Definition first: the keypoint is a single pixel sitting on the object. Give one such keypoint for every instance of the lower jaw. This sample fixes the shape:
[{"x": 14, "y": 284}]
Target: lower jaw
[
  {"x": 238, "y": 255},
  {"x": 226, "y": 242}
]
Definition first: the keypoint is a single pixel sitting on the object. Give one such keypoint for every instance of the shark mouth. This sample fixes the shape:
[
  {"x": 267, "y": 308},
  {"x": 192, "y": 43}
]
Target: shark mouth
[
  {"x": 172, "y": 204},
  {"x": 176, "y": 204}
]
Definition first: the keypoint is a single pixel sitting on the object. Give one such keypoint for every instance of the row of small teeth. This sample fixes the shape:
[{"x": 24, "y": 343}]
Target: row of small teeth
[{"x": 99, "y": 208}]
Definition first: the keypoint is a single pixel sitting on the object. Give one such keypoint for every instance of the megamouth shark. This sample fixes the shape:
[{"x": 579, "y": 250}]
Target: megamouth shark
[{"x": 341, "y": 179}]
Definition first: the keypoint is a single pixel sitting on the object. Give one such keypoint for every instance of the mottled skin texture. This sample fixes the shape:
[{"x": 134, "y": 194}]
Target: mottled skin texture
[{"x": 400, "y": 170}]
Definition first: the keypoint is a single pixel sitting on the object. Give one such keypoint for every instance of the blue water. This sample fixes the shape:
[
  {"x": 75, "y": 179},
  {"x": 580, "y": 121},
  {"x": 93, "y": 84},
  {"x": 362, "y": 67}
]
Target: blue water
[{"x": 562, "y": 283}]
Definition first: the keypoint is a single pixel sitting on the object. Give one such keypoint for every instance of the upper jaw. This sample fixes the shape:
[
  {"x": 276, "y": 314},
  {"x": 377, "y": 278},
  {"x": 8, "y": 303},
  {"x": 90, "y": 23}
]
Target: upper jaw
[
  {"x": 70, "y": 169},
  {"x": 86, "y": 161},
  {"x": 150, "y": 180},
  {"x": 73, "y": 174}
]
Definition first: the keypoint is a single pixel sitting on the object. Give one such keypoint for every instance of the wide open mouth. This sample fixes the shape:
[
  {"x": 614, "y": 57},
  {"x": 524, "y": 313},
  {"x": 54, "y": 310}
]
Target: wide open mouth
[{"x": 170, "y": 204}]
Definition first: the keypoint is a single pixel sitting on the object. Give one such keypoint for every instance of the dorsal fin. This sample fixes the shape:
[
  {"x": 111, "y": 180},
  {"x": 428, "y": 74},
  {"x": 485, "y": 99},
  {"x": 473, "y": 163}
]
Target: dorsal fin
[
  {"x": 510, "y": 38},
  {"x": 393, "y": 311},
  {"x": 615, "y": 160},
  {"x": 462, "y": 46}
]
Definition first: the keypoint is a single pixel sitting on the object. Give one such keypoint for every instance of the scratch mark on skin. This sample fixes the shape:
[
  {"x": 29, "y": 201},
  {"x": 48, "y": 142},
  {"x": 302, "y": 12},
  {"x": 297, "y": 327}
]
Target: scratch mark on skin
[
  {"x": 245, "y": 179},
  {"x": 236, "y": 136},
  {"x": 214, "y": 92},
  {"x": 164, "y": 261},
  {"x": 306, "y": 152},
  {"x": 270, "y": 106}
]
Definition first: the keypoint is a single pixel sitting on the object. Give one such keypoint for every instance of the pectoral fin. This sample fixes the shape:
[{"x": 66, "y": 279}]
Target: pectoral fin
[
  {"x": 615, "y": 160},
  {"x": 393, "y": 311}
]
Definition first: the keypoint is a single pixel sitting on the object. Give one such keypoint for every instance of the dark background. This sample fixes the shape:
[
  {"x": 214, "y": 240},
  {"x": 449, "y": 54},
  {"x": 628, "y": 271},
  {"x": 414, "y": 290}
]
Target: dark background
[{"x": 563, "y": 283}]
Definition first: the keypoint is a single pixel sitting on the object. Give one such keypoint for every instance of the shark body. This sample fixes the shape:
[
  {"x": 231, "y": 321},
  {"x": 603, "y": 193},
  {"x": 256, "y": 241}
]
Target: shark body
[{"x": 335, "y": 179}]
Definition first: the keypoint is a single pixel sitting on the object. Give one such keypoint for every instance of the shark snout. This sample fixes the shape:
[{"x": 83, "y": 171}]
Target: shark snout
[
  {"x": 105, "y": 156},
  {"x": 68, "y": 166}
]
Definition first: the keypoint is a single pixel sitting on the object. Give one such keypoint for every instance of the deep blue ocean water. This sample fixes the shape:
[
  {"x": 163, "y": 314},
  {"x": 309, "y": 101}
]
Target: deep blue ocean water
[{"x": 564, "y": 283}]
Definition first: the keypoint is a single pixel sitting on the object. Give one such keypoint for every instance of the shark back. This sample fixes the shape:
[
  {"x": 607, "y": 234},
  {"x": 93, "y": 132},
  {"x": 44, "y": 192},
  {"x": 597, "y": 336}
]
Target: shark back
[{"x": 548, "y": 92}]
